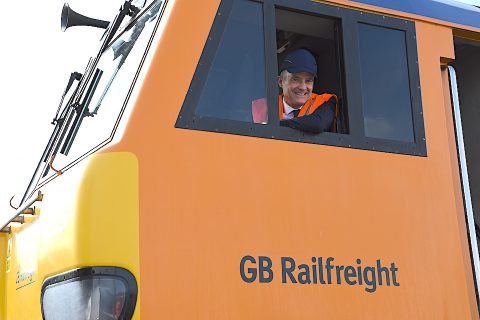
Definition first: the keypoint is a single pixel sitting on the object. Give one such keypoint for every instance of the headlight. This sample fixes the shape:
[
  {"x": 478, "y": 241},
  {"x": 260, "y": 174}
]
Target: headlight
[{"x": 94, "y": 293}]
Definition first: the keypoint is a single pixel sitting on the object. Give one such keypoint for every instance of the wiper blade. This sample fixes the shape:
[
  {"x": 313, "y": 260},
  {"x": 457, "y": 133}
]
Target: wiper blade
[
  {"x": 63, "y": 125},
  {"x": 73, "y": 76},
  {"x": 52, "y": 142},
  {"x": 82, "y": 112},
  {"x": 58, "y": 121},
  {"x": 64, "y": 116}
]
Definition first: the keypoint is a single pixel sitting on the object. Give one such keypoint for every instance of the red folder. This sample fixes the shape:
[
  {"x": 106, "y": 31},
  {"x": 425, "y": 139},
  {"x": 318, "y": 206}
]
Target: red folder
[{"x": 260, "y": 111}]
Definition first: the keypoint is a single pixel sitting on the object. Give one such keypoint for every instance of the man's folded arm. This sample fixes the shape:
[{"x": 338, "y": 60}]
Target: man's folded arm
[{"x": 319, "y": 121}]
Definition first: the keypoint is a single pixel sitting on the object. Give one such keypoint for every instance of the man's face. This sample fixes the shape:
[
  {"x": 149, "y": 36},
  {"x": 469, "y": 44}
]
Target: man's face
[{"x": 297, "y": 87}]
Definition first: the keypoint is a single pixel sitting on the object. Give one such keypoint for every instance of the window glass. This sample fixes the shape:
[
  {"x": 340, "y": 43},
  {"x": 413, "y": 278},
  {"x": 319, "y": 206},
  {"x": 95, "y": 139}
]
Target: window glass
[
  {"x": 387, "y": 108},
  {"x": 236, "y": 81},
  {"x": 96, "y": 298}
]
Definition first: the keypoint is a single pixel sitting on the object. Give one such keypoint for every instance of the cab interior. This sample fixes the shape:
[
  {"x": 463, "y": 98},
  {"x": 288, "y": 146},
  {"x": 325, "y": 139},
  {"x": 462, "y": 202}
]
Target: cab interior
[{"x": 320, "y": 36}]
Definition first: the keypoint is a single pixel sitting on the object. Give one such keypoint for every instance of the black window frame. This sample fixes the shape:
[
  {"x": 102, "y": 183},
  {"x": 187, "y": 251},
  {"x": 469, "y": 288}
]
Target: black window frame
[
  {"x": 131, "y": 293},
  {"x": 346, "y": 38}
]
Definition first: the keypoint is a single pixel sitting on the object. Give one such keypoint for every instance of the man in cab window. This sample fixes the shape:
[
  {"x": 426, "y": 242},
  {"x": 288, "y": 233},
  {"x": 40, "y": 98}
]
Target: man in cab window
[{"x": 299, "y": 107}]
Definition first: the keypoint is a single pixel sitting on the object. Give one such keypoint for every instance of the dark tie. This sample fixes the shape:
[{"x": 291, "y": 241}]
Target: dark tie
[{"x": 295, "y": 112}]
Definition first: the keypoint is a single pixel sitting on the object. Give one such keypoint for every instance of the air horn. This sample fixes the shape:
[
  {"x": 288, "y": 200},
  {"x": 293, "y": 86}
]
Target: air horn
[{"x": 71, "y": 18}]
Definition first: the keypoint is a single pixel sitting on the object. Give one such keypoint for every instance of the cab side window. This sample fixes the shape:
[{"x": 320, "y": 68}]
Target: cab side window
[
  {"x": 367, "y": 60},
  {"x": 387, "y": 112},
  {"x": 237, "y": 73}
]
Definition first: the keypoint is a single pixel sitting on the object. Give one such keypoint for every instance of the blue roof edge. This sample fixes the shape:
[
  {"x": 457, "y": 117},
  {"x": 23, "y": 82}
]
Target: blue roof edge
[{"x": 445, "y": 10}]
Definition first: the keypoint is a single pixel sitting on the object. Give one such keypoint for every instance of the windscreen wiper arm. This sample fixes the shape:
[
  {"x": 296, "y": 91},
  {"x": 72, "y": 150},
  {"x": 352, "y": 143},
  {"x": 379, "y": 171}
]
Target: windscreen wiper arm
[
  {"x": 73, "y": 76},
  {"x": 64, "y": 125},
  {"x": 82, "y": 112},
  {"x": 59, "y": 123}
]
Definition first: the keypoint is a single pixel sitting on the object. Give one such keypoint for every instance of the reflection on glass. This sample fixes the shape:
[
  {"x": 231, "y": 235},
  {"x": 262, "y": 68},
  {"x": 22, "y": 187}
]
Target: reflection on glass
[
  {"x": 387, "y": 108},
  {"x": 235, "y": 83},
  {"x": 88, "y": 299}
]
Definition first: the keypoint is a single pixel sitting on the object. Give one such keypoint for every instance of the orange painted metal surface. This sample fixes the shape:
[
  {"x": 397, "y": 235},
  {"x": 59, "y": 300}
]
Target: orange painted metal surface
[
  {"x": 205, "y": 200},
  {"x": 208, "y": 199}
]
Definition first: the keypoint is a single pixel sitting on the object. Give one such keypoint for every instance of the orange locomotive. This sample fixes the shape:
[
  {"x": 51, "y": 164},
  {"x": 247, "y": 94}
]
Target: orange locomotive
[{"x": 159, "y": 197}]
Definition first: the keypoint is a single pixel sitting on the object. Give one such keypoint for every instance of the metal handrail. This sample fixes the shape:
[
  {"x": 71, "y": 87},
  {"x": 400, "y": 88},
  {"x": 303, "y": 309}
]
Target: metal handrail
[{"x": 464, "y": 174}]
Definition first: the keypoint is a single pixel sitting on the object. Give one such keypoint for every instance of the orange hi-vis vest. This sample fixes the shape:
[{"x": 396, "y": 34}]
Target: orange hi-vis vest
[{"x": 312, "y": 104}]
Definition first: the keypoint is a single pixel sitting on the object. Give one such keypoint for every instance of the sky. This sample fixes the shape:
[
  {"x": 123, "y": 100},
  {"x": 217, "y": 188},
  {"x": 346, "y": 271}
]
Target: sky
[{"x": 36, "y": 61}]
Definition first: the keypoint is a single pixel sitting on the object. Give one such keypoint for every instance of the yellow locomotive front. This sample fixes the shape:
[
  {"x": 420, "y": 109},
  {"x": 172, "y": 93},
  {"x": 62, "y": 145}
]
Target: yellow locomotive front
[{"x": 73, "y": 242}]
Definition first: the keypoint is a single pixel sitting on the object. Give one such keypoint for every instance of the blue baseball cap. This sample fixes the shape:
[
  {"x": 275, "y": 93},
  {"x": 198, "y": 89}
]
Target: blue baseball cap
[{"x": 300, "y": 60}]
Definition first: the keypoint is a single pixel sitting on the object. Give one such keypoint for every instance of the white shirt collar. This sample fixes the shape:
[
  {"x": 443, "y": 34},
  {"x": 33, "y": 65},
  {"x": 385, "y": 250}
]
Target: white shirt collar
[{"x": 287, "y": 110}]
